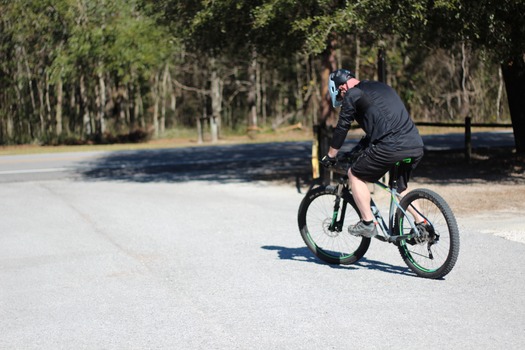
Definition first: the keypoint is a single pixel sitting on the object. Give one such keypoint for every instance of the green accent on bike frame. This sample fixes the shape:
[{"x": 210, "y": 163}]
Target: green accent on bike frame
[
  {"x": 334, "y": 217},
  {"x": 403, "y": 243},
  {"x": 407, "y": 252}
]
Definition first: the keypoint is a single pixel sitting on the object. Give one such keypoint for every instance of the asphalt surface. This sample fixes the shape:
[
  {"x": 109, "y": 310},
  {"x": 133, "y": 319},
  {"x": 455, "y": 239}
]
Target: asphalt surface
[
  {"x": 179, "y": 249},
  {"x": 215, "y": 163}
]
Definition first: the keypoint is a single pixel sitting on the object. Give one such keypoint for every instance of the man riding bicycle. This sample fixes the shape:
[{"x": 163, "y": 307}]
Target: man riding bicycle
[{"x": 391, "y": 136}]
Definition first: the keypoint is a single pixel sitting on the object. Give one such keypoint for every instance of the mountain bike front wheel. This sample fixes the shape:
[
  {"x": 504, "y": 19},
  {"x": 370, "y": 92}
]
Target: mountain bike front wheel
[
  {"x": 323, "y": 226},
  {"x": 435, "y": 251}
]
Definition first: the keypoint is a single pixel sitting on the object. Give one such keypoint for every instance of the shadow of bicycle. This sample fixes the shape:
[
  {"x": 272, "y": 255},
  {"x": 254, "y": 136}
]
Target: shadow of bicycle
[{"x": 303, "y": 254}]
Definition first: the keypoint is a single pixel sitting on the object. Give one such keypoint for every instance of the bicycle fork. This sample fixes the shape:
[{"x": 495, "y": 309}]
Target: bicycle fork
[{"x": 337, "y": 225}]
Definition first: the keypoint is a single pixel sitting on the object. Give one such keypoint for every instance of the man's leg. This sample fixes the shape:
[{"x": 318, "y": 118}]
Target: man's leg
[
  {"x": 366, "y": 227},
  {"x": 361, "y": 196},
  {"x": 403, "y": 178},
  {"x": 413, "y": 209}
]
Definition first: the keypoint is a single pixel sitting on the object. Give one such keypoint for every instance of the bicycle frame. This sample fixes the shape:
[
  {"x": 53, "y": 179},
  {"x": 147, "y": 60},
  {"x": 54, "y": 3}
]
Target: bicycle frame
[
  {"x": 388, "y": 234},
  {"x": 326, "y": 209}
]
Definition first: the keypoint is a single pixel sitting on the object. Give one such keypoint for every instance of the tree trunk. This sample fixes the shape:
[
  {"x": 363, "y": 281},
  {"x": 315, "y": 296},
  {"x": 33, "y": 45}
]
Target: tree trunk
[
  {"x": 97, "y": 115},
  {"x": 140, "y": 110},
  {"x": 101, "y": 118},
  {"x": 200, "y": 130},
  {"x": 87, "y": 130},
  {"x": 299, "y": 88},
  {"x": 316, "y": 90},
  {"x": 48, "y": 107},
  {"x": 381, "y": 65},
  {"x": 465, "y": 73},
  {"x": 74, "y": 107},
  {"x": 258, "y": 88},
  {"x": 137, "y": 115},
  {"x": 34, "y": 110},
  {"x": 329, "y": 64},
  {"x": 10, "y": 127},
  {"x": 514, "y": 75},
  {"x": 155, "y": 92},
  {"x": 215, "y": 106},
  {"x": 163, "y": 93},
  {"x": 173, "y": 106},
  {"x": 264, "y": 98},
  {"x": 40, "y": 92},
  {"x": 252, "y": 96},
  {"x": 500, "y": 94},
  {"x": 58, "y": 111},
  {"x": 357, "y": 56},
  {"x": 216, "y": 102},
  {"x": 328, "y": 118}
]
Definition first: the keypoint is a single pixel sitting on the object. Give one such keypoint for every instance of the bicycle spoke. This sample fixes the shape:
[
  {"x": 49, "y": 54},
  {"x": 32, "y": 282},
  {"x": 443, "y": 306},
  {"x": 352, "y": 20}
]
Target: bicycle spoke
[
  {"x": 325, "y": 237},
  {"x": 433, "y": 252}
]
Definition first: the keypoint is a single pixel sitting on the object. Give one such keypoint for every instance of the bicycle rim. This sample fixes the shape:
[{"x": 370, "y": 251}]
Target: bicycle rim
[
  {"x": 435, "y": 256},
  {"x": 333, "y": 246}
]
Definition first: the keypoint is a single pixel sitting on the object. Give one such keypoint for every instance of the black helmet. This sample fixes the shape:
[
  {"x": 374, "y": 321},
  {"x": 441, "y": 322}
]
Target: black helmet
[{"x": 336, "y": 79}]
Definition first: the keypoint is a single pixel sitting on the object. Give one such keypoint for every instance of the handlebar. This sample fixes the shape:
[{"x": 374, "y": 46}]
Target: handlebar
[{"x": 344, "y": 162}]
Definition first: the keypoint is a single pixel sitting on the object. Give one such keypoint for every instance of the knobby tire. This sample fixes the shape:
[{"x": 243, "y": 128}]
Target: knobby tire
[
  {"x": 314, "y": 218},
  {"x": 443, "y": 240}
]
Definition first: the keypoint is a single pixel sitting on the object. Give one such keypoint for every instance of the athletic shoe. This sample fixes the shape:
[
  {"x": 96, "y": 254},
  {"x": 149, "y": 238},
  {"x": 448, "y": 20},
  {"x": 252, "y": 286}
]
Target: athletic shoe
[{"x": 363, "y": 230}]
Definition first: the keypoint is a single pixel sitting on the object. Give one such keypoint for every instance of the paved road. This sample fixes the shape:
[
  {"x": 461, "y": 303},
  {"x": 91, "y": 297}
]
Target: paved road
[
  {"x": 218, "y": 163},
  {"x": 117, "y": 254}
]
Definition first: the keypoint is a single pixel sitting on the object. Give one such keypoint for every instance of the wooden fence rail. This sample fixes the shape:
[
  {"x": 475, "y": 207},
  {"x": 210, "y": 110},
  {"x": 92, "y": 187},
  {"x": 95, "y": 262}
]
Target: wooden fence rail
[
  {"x": 468, "y": 125},
  {"x": 322, "y": 137}
]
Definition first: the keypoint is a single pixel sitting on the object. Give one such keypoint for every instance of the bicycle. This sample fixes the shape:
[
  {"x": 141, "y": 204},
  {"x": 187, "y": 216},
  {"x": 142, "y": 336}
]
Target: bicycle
[{"x": 430, "y": 249}]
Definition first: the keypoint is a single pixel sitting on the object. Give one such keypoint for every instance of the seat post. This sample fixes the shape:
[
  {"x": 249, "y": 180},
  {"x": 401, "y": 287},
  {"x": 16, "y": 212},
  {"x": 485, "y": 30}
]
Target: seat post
[
  {"x": 395, "y": 171},
  {"x": 393, "y": 176}
]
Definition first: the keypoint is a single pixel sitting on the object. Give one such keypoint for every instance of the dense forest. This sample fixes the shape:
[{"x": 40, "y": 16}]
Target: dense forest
[{"x": 73, "y": 71}]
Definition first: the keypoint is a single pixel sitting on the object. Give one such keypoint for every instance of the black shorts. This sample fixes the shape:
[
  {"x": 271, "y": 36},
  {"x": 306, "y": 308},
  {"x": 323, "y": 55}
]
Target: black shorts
[{"x": 375, "y": 162}]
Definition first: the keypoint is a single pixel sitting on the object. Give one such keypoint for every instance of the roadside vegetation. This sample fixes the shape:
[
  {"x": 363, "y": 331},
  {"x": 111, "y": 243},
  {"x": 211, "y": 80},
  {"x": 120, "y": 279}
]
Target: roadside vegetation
[{"x": 77, "y": 72}]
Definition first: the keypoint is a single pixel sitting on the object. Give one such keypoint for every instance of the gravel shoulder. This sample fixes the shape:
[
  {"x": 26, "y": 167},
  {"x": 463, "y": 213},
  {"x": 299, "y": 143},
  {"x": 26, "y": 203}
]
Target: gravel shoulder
[
  {"x": 492, "y": 208},
  {"x": 487, "y": 194}
]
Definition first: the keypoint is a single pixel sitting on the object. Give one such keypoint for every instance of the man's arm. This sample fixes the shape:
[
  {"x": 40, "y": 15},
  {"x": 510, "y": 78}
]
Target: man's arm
[
  {"x": 332, "y": 152},
  {"x": 346, "y": 117},
  {"x": 361, "y": 145}
]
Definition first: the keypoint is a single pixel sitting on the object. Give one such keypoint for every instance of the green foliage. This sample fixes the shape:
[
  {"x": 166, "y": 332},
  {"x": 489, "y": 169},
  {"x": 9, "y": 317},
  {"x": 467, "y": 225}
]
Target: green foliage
[
  {"x": 116, "y": 64},
  {"x": 110, "y": 36}
]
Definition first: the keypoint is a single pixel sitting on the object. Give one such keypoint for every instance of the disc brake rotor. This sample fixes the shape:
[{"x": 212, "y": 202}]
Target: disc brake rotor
[{"x": 326, "y": 228}]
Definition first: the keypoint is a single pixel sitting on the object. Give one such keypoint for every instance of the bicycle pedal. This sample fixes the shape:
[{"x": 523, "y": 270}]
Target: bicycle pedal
[{"x": 397, "y": 239}]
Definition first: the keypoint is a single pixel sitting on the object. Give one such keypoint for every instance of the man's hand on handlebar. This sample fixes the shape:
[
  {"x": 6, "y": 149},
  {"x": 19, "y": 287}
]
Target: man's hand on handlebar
[{"x": 328, "y": 161}]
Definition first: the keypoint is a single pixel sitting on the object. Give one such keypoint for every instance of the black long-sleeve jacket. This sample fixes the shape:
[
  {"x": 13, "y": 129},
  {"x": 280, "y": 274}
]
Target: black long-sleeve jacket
[{"x": 379, "y": 111}]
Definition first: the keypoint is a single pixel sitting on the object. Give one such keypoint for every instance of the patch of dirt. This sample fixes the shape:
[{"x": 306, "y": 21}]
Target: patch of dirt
[
  {"x": 497, "y": 165},
  {"x": 487, "y": 194},
  {"x": 476, "y": 198},
  {"x": 493, "y": 180}
]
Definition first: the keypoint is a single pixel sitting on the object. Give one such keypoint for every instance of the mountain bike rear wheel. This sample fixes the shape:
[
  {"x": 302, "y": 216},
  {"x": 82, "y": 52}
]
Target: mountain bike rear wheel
[
  {"x": 435, "y": 252},
  {"x": 325, "y": 231}
]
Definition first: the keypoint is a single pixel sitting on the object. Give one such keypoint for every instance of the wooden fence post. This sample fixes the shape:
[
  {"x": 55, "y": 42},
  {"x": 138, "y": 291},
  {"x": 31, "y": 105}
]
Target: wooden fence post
[{"x": 468, "y": 139}]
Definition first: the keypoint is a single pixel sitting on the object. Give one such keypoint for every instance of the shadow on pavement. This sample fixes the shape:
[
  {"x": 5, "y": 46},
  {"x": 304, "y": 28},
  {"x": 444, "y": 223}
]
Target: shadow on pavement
[
  {"x": 303, "y": 254},
  {"x": 290, "y": 162},
  {"x": 487, "y": 165},
  {"x": 284, "y": 161}
]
